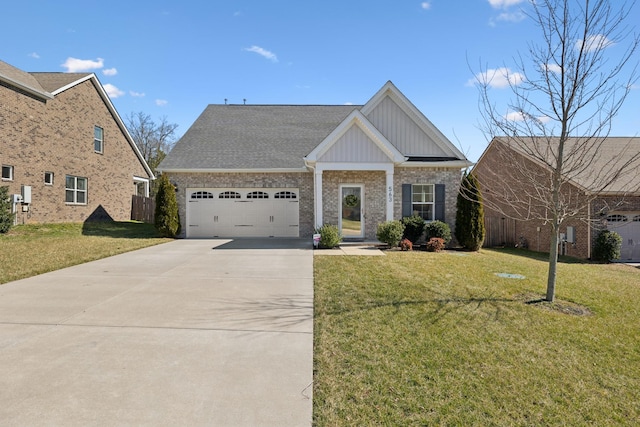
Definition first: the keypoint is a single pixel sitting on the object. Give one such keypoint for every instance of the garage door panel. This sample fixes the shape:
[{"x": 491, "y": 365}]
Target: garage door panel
[
  {"x": 243, "y": 212},
  {"x": 627, "y": 225}
]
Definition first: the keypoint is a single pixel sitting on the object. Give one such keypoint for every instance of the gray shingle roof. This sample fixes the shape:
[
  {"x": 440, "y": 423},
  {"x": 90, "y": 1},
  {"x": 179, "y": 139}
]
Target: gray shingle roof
[
  {"x": 54, "y": 81},
  {"x": 254, "y": 136},
  {"x": 21, "y": 79},
  {"x": 594, "y": 164}
]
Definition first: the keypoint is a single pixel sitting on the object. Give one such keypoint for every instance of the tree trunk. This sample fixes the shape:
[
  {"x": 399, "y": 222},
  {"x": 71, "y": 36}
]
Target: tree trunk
[{"x": 553, "y": 262}]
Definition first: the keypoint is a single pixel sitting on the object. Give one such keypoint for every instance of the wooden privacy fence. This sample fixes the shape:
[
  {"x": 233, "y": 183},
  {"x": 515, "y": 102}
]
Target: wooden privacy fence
[
  {"x": 142, "y": 208},
  {"x": 499, "y": 231}
]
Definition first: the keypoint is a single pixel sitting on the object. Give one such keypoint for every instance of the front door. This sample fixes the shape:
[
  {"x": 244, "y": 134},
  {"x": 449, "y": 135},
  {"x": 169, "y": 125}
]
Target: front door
[{"x": 351, "y": 211}]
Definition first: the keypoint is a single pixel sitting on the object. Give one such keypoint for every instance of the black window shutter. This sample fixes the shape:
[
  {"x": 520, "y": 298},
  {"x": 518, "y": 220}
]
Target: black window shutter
[
  {"x": 407, "y": 210},
  {"x": 439, "y": 213}
]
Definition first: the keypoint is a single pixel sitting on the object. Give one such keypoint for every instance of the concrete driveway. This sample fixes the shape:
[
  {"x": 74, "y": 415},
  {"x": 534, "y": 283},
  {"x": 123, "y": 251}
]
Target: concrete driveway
[{"x": 188, "y": 333}]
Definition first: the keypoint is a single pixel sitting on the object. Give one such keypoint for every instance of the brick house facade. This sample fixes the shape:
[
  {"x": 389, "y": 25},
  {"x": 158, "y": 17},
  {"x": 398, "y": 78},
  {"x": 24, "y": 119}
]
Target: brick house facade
[
  {"x": 240, "y": 169},
  {"x": 505, "y": 173},
  {"x": 62, "y": 138}
]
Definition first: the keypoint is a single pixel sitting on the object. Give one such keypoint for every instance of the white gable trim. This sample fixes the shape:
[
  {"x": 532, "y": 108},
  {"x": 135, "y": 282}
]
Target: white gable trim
[
  {"x": 356, "y": 118},
  {"x": 389, "y": 89}
]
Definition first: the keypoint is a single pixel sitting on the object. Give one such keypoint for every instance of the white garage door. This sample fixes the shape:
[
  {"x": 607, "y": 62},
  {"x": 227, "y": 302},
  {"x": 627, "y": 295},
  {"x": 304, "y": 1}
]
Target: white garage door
[
  {"x": 242, "y": 212},
  {"x": 627, "y": 225}
]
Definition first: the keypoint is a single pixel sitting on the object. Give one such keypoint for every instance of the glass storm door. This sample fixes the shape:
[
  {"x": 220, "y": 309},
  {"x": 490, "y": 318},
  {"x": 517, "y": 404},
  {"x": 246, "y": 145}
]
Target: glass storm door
[{"x": 351, "y": 217}]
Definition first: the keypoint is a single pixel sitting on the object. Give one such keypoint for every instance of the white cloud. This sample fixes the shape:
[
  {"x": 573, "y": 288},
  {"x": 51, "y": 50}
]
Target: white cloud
[
  {"x": 503, "y": 4},
  {"x": 519, "y": 116},
  {"x": 161, "y": 102},
  {"x": 499, "y": 78},
  {"x": 552, "y": 68},
  {"x": 110, "y": 72},
  {"x": 112, "y": 91},
  {"x": 426, "y": 5},
  {"x": 262, "y": 52},
  {"x": 34, "y": 55},
  {"x": 511, "y": 16},
  {"x": 74, "y": 65},
  {"x": 595, "y": 42},
  {"x": 136, "y": 94},
  {"x": 348, "y": 103}
]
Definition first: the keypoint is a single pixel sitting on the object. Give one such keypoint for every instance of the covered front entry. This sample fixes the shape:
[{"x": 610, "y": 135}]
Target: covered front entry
[
  {"x": 242, "y": 212},
  {"x": 352, "y": 211}
]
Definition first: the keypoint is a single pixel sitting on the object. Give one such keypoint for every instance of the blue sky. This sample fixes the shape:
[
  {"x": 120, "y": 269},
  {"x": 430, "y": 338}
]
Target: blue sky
[{"x": 172, "y": 58}]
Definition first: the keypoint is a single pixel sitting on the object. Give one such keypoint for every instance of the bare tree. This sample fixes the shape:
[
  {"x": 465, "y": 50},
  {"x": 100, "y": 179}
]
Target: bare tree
[
  {"x": 554, "y": 131},
  {"x": 154, "y": 140}
]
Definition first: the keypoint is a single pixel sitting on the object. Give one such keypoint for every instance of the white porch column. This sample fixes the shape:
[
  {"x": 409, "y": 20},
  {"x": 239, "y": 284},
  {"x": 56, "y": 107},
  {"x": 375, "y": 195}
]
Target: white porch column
[
  {"x": 389, "y": 191},
  {"x": 318, "y": 197}
]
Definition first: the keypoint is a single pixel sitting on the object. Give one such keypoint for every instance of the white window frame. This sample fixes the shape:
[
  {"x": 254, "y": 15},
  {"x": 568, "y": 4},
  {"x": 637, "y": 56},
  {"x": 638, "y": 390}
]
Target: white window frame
[
  {"x": 51, "y": 178},
  {"x": 422, "y": 200},
  {"x": 98, "y": 142},
  {"x": 75, "y": 190}
]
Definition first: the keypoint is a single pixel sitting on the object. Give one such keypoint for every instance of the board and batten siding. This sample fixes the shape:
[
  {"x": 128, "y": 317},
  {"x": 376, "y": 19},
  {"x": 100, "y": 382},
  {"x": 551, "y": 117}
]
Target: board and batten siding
[
  {"x": 355, "y": 146},
  {"x": 402, "y": 131}
]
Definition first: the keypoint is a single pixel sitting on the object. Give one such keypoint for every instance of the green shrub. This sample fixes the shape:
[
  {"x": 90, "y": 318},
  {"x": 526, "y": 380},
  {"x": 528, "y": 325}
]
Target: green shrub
[
  {"x": 435, "y": 244},
  {"x": 329, "y": 236},
  {"x": 470, "y": 230},
  {"x": 167, "y": 220},
  {"x": 390, "y": 232},
  {"x": 413, "y": 227},
  {"x": 6, "y": 217},
  {"x": 607, "y": 246},
  {"x": 438, "y": 229}
]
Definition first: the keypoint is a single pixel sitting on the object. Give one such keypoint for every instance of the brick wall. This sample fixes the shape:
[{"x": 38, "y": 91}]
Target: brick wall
[
  {"x": 57, "y": 136},
  {"x": 374, "y": 191},
  {"x": 449, "y": 177},
  {"x": 504, "y": 176},
  {"x": 374, "y": 197}
]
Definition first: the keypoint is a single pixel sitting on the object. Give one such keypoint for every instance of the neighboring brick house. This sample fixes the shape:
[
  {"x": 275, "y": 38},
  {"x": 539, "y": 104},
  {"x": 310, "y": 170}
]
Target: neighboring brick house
[
  {"x": 283, "y": 170},
  {"x": 504, "y": 172},
  {"x": 65, "y": 149}
]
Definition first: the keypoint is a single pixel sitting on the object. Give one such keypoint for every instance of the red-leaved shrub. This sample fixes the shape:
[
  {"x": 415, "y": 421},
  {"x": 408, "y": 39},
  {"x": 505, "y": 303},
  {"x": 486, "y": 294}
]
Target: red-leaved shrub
[
  {"x": 406, "y": 245},
  {"x": 435, "y": 244}
]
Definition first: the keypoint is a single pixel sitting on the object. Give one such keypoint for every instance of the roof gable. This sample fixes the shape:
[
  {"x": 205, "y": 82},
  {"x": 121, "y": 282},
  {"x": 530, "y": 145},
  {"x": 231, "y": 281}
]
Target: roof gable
[
  {"x": 406, "y": 127},
  {"x": 357, "y": 140}
]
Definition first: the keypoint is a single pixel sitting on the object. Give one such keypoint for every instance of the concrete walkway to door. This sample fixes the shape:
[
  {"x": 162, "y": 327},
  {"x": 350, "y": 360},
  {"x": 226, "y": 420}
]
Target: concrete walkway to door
[{"x": 188, "y": 333}]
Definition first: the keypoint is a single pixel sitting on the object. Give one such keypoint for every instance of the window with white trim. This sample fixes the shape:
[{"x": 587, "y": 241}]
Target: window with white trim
[
  {"x": 617, "y": 218},
  {"x": 422, "y": 201},
  {"x": 75, "y": 190},
  {"x": 7, "y": 173},
  {"x": 98, "y": 139},
  {"x": 48, "y": 178}
]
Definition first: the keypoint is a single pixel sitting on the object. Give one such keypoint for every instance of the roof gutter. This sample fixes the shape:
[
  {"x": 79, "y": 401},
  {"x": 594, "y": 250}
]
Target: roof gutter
[
  {"x": 445, "y": 164},
  {"x": 37, "y": 93},
  {"x": 216, "y": 170}
]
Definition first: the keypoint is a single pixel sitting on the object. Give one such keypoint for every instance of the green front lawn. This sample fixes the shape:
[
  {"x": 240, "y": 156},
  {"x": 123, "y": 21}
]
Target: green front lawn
[
  {"x": 27, "y": 250},
  {"x": 417, "y": 338}
]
